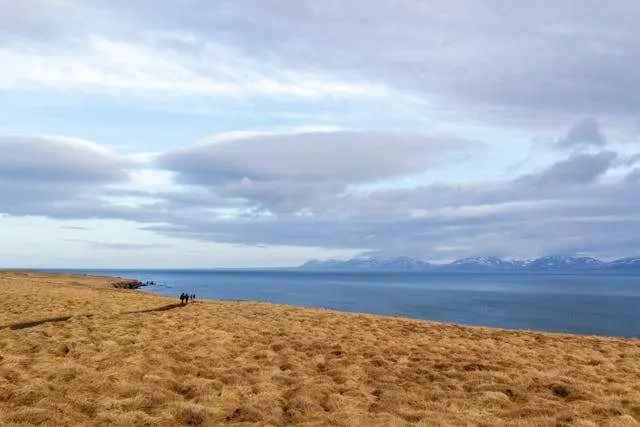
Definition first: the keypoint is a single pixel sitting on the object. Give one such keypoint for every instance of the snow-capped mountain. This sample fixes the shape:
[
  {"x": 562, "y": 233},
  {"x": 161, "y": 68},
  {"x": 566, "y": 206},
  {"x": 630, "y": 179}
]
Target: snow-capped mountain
[
  {"x": 483, "y": 264},
  {"x": 369, "y": 264},
  {"x": 625, "y": 264},
  {"x": 547, "y": 264},
  {"x": 564, "y": 263}
]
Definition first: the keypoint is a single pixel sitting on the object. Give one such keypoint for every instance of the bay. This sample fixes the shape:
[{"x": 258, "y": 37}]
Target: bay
[{"x": 594, "y": 304}]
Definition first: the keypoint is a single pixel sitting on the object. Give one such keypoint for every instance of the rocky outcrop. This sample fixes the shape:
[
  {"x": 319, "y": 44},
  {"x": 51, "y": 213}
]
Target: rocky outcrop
[{"x": 128, "y": 284}]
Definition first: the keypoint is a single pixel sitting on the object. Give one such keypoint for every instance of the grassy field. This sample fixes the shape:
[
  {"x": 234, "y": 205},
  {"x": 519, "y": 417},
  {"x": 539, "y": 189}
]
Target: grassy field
[{"x": 74, "y": 350}]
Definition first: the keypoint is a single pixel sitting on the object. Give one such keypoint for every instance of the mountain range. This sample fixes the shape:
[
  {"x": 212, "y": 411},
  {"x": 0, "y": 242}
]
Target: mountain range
[{"x": 548, "y": 264}]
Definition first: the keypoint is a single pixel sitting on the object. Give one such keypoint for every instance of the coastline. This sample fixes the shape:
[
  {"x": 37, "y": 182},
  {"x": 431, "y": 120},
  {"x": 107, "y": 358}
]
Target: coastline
[
  {"x": 570, "y": 304},
  {"x": 129, "y": 357}
]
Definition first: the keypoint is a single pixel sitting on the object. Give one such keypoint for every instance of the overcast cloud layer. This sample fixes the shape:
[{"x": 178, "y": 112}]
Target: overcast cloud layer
[{"x": 390, "y": 127}]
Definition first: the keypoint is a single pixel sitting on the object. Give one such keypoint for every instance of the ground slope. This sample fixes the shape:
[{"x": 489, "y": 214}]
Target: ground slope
[{"x": 73, "y": 350}]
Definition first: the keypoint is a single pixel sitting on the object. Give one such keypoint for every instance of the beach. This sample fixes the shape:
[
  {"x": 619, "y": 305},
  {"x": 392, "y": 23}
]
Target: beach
[{"x": 78, "y": 350}]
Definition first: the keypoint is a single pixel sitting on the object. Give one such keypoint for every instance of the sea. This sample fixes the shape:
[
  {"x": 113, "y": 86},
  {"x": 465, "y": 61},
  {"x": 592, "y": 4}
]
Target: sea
[{"x": 594, "y": 304}]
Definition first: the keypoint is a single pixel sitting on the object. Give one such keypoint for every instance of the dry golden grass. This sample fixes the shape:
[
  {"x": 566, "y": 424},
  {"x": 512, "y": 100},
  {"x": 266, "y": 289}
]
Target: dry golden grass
[{"x": 213, "y": 363}]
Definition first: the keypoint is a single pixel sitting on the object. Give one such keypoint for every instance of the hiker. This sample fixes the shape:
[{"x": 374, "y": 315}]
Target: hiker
[
  {"x": 193, "y": 297},
  {"x": 182, "y": 298},
  {"x": 186, "y": 298}
]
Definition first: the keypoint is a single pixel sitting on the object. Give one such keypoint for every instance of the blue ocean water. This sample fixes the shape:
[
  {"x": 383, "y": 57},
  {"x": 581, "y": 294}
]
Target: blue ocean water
[{"x": 582, "y": 304}]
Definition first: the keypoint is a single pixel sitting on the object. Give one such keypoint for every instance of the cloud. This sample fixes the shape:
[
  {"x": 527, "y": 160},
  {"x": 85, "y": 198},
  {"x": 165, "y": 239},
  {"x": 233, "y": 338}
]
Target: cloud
[
  {"x": 577, "y": 169},
  {"x": 118, "y": 246},
  {"x": 295, "y": 171},
  {"x": 346, "y": 157},
  {"x": 497, "y": 58},
  {"x": 533, "y": 66},
  {"x": 570, "y": 206},
  {"x": 44, "y": 174},
  {"x": 634, "y": 176},
  {"x": 585, "y": 133},
  {"x": 104, "y": 64},
  {"x": 491, "y": 60},
  {"x": 74, "y": 227},
  {"x": 505, "y": 219},
  {"x": 36, "y": 19},
  {"x": 632, "y": 160},
  {"x": 58, "y": 159}
]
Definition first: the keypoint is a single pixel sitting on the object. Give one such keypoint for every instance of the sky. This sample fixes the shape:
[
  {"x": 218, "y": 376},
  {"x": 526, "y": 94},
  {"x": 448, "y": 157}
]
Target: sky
[{"x": 258, "y": 133}]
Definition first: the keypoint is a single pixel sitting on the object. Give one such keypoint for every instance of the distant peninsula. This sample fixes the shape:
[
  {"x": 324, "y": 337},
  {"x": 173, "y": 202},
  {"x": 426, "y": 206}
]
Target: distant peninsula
[{"x": 547, "y": 264}]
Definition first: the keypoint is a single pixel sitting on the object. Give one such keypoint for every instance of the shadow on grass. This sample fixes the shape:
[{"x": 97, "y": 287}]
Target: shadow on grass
[
  {"x": 163, "y": 308},
  {"x": 33, "y": 323}
]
